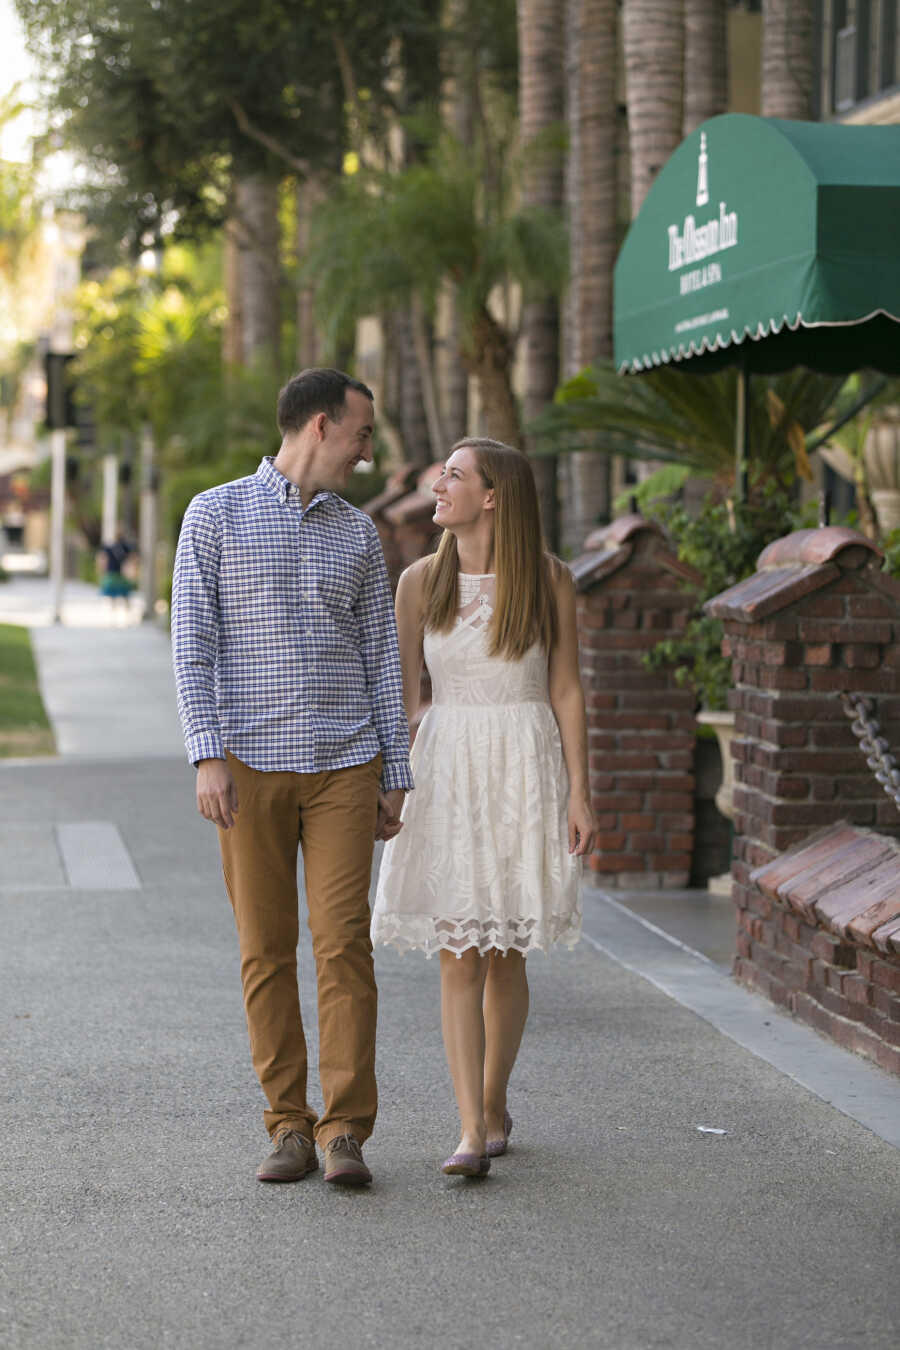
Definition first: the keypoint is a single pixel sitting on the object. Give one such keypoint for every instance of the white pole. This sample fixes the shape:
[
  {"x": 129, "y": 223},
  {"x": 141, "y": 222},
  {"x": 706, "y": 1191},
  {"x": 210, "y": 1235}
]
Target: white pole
[
  {"x": 148, "y": 522},
  {"x": 57, "y": 520},
  {"x": 110, "y": 498}
]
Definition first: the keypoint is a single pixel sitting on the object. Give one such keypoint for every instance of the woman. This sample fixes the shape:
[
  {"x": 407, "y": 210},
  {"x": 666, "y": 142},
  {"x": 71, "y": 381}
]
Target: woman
[{"x": 488, "y": 862}]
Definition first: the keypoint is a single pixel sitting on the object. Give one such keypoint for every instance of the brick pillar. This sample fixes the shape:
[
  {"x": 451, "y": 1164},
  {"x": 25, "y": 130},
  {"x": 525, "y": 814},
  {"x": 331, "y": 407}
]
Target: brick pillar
[
  {"x": 818, "y": 617},
  {"x": 641, "y": 729}
]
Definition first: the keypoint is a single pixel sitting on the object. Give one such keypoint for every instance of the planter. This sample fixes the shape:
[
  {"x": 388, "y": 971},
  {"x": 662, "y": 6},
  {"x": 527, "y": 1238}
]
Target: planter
[
  {"x": 722, "y": 724},
  {"x": 886, "y": 502}
]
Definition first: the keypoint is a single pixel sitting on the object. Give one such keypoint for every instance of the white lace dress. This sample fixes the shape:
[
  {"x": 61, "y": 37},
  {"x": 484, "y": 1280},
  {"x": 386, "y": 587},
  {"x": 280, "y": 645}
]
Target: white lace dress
[{"x": 482, "y": 859}]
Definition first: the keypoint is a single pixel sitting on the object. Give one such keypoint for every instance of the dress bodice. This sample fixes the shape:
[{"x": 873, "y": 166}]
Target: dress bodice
[{"x": 463, "y": 673}]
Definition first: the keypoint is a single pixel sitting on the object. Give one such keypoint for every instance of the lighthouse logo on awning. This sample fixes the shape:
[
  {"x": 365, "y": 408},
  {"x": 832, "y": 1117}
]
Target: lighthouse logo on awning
[{"x": 693, "y": 242}]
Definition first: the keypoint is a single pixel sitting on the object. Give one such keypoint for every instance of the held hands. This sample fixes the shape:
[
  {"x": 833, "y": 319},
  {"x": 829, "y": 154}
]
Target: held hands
[
  {"x": 390, "y": 805},
  {"x": 217, "y": 798},
  {"x": 582, "y": 826}
]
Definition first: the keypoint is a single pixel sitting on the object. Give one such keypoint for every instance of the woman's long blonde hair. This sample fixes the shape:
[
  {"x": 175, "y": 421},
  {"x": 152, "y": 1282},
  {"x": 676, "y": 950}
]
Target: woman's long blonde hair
[{"x": 524, "y": 605}]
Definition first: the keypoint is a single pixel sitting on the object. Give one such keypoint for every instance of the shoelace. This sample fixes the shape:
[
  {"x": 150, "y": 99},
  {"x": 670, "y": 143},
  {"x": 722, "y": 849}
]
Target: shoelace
[
  {"x": 349, "y": 1142},
  {"x": 284, "y": 1135}
]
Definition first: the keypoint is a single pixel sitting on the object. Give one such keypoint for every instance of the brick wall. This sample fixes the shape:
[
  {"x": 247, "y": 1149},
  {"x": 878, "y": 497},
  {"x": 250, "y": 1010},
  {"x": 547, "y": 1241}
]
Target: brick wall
[
  {"x": 632, "y": 593},
  {"x": 818, "y": 617},
  {"x": 829, "y": 950}
]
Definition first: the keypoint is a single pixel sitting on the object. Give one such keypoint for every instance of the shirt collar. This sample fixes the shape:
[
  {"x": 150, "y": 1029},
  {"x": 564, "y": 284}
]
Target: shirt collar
[{"x": 274, "y": 481}]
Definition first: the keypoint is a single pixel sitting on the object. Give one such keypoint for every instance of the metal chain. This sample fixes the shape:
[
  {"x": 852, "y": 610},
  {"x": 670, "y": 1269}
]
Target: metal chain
[{"x": 878, "y": 754}]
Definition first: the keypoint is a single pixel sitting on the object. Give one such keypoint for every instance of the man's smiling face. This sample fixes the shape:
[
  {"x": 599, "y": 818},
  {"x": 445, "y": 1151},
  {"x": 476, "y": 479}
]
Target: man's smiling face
[{"x": 344, "y": 443}]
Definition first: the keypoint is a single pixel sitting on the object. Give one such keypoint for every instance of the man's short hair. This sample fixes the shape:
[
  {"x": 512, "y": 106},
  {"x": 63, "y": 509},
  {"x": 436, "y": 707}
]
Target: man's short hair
[{"x": 314, "y": 391}]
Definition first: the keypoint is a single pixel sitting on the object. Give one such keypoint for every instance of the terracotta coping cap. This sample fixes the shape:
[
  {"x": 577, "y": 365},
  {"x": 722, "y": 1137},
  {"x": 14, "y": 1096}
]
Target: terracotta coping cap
[
  {"x": 798, "y": 565},
  {"x": 620, "y": 531},
  {"x": 845, "y": 879},
  {"x": 768, "y": 591},
  {"x": 814, "y": 546},
  {"x": 608, "y": 548}
]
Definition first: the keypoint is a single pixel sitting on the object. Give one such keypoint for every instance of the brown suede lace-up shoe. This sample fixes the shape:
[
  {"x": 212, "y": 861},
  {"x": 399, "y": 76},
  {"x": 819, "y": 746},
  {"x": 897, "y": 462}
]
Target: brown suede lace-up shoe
[
  {"x": 344, "y": 1162},
  {"x": 293, "y": 1157}
]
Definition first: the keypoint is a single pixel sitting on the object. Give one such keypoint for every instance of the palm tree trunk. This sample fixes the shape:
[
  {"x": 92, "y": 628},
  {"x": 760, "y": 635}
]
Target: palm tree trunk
[
  {"x": 232, "y": 337},
  {"x": 308, "y": 194},
  {"x": 458, "y": 115},
  {"x": 450, "y": 371},
  {"x": 653, "y": 35},
  {"x": 541, "y": 42},
  {"x": 489, "y": 356},
  {"x": 787, "y": 59},
  {"x": 705, "y": 61},
  {"x": 256, "y": 202},
  {"x": 422, "y": 344},
  {"x": 591, "y": 54},
  {"x": 412, "y": 421}
]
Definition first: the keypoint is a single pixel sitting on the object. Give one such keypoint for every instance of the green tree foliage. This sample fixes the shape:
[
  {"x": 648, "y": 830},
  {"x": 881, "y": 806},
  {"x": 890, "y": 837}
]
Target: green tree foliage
[
  {"x": 19, "y": 207},
  {"x": 689, "y": 420},
  {"x": 148, "y": 351},
  {"x": 384, "y": 238},
  {"x": 722, "y": 542},
  {"x": 166, "y": 98}
]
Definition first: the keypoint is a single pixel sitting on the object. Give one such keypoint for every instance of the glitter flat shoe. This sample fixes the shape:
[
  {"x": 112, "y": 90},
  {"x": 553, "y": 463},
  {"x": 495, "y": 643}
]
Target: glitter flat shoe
[
  {"x": 497, "y": 1147},
  {"x": 467, "y": 1165}
]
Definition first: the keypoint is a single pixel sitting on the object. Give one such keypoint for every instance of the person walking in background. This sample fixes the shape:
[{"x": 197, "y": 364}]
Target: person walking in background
[
  {"x": 290, "y": 695},
  {"x": 488, "y": 863},
  {"x": 114, "y": 561}
]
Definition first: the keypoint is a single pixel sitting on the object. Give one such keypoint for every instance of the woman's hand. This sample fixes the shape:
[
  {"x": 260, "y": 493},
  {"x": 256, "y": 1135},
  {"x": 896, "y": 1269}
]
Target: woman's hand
[
  {"x": 582, "y": 826},
  {"x": 390, "y": 804}
]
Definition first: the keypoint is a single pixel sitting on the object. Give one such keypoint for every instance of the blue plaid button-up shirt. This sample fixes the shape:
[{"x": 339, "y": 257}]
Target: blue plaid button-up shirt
[{"x": 283, "y": 634}]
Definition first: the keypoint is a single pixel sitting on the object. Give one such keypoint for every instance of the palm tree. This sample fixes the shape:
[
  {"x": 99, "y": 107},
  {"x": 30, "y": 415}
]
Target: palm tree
[
  {"x": 787, "y": 58},
  {"x": 687, "y": 421},
  {"x": 591, "y": 60},
  {"x": 256, "y": 232},
  {"x": 461, "y": 101},
  {"x": 653, "y": 37},
  {"x": 541, "y": 42},
  {"x": 382, "y": 240},
  {"x": 705, "y": 61}
]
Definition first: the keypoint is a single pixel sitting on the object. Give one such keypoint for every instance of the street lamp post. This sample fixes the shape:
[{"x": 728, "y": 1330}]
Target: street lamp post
[
  {"x": 59, "y": 416},
  {"x": 148, "y": 522},
  {"x": 110, "y": 498},
  {"x": 57, "y": 520}
]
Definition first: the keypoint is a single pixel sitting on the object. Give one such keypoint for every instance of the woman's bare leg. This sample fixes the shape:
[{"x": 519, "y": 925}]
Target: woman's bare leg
[
  {"x": 462, "y": 1022},
  {"x": 505, "y": 1014}
]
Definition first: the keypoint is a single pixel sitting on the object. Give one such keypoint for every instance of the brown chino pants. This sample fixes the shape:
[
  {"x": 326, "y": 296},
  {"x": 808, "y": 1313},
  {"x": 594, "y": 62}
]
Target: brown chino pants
[{"x": 331, "y": 816}]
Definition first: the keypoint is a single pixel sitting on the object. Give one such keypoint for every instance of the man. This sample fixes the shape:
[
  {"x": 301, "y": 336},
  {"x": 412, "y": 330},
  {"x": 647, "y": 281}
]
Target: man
[{"x": 290, "y": 694}]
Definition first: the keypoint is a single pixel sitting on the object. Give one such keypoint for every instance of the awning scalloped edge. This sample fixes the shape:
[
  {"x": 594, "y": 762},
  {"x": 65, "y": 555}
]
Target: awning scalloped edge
[{"x": 763, "y": 330}]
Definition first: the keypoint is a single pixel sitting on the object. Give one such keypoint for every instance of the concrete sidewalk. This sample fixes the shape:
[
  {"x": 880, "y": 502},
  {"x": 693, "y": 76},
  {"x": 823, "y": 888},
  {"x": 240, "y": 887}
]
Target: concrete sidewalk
[{"x": 133, "y": 1120}]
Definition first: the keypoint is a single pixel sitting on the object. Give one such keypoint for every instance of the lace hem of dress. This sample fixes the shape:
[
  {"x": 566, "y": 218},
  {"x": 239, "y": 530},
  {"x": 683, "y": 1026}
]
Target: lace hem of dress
[{"x": 485, "y": 935}]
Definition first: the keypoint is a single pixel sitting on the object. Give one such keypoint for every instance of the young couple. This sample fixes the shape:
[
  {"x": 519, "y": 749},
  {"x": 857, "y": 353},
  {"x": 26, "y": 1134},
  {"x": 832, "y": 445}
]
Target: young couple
[{"x": 295, "y": 699}]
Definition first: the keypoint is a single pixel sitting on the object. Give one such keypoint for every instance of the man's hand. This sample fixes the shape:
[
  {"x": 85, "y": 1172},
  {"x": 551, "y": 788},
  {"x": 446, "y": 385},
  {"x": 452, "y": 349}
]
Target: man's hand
[
  {"x": 390, "y": 805},
  {"x": 217, "y": 798}
]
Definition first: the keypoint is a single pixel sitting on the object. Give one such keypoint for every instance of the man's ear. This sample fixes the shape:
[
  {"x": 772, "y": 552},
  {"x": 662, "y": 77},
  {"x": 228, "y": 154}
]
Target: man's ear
[{"x": 320, "y": 422}]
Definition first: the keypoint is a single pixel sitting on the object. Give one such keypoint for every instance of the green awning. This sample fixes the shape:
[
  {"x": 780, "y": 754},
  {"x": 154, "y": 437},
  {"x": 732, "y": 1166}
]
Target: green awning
[{"x": 769, "y": 242}]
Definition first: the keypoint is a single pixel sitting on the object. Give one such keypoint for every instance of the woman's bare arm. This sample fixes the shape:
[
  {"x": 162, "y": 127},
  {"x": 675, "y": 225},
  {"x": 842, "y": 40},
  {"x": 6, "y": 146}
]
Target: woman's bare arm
[
  {"x": 567, "y": 701},
  {"x": 409, "y": 606}
]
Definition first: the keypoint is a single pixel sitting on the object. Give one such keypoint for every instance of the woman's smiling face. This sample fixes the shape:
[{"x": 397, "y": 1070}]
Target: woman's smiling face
[{"x": 462, "y": 497}]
